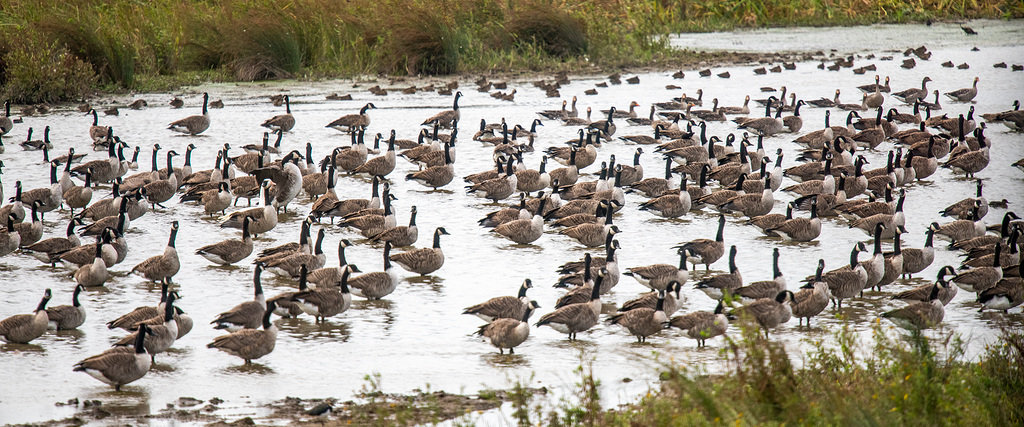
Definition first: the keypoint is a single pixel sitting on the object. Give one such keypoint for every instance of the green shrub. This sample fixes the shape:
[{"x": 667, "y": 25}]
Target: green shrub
[
  {"x": 37, "y": 71},
  {"x": 261, "y": 48}
]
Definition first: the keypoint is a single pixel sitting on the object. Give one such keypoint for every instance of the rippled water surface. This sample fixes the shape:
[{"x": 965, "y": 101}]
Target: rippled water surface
[{"x": 416, "y": 336}]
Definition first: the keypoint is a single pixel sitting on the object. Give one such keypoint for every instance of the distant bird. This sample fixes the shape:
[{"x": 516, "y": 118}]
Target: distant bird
[{"x": 969, "y": 31}]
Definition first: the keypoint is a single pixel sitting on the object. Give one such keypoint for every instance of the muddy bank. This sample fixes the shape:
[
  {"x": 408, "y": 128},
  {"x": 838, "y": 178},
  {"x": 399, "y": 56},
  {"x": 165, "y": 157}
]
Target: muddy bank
[{"x": 370, "y": 408}]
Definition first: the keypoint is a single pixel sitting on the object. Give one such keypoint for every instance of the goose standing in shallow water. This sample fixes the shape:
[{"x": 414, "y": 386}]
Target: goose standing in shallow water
[
  {"x": 118, "y": 367},
  {"x": 812, "y": 298},
  {"x": 377, "y": 284},
  {"x": 644, "y": 321},
  {"x": 247, "y": 315},
  {"x": 194, "y": 125},
  {"x": 250, "y": 344},
  {"x": 64, "y": 317},
  {"x": 352, "y": 122},
  {"x": 22, "y": 328},
  {"x": 574, "y": 318},
  {"x": 769, "y": 312},
  {"x": 919, "y": 315},
  {"x": 424, "y": 260},
  {"x": 702, "y": 325},
  {"x": 284, "y": 122},
  {"x": 508, "y": 333},
  {"x": 161, "y": 268},
  {"x": 504, "y": 307},
  {"x": 706, "y": 251}
]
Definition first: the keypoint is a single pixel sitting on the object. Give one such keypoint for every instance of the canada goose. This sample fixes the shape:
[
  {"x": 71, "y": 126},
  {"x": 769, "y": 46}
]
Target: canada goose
[
  {"x": 264, "y": 218},
  {"x": 961, "y": 229},
  {"x": 95, "y": 273},
  {"x": 498, "y": 188},
  {"x": 371, "y": 222},
  {"x": 377, "y": 284},
  {"x": 381, "y": 165},
  {"x": 702, "y": 325},
  {"x": 352, "y": 122},
  {"x": 964, "y": 208},
  {"x": 847, "y": 281},
  {"x": 64, "y": 317},
  {"x": 161, "y": 268},
  {"x": 706, "y": 251},
  {"x": 34, "y": 144},
  {"x": 892, "y": 261},
  {"x": 751, "y": 204},
  {"x": 767, "y": 125},
  {"x": 424, "y": 260},
  {"x": 809, "y": 185},
  {"x": 970, "y": 162},
  {"x": 161, "y": 190},
  {"x": 769, "y": 312},
  {"x": 249, "y": 344},
  {"x": 10, "y": 239},
  {"x": 42, "y": 250},
  {"x": 85, "y": 254},
  {"x": 129, "y": 319},
  {"x": 348, "y": 206},
  {"x": 287, "y": 179},
  {"x": 643, "y": 321},
  {"x": 30, "y": 232},
  {"x": 800, "y": 229},
  {"x": 51, "y": 197},
  {"x": 670, "y": 205},
  {"x": 440, "y": 175},
  {"x": 117, "y": 367},
  {"x": 889, "y": 221},
  {"x": 764, "y": 288},
  {"x": 767, "y": 221},
  {"x": 6, "y": 124},
  {"x": 504, "y": 307},
  {"x": 530, "y": 180},
  {"x": 574, "y": 318},
  {"x": 229, "y": 251},
  {"x": 329, "y": 276},
  {"x": 496, "y": 218},
  {"x": 194, "y": 125},
  {"x": 654, "y": 187},
  {"x": 979, "y": 279},
  {"x": 291, "y": 265},
  {"x": 812, "y": 298},
  {"x": 916, "y": 260},
  {"x": 400, "y": 236},
  {"x": 658, "y": 276},
  {"x": 923, "y": 293},
  {"x": 247, "y": 315},
  {"x": 509, "y": 332},
  {"x": 447, "y": 118},
  {"x": 96, "y": 132},
  {"x": 22, "y": 328},
  {"x": 720, "y": 284},
  {"x": 327, "y": 301},
  {"x": 161, "y": 335},
  {"x": 350, "y": 158},
  {"x": 285, "y": 122},
  {"x": 1006, "y": 294},
  {"x": 919, "y": 315},
  {"x": 591, "y": 234},
  {"x": 524, "y": 231}
]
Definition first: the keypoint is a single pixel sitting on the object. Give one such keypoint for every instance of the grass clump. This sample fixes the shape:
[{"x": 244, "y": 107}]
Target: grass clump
[
  {"x": 37, "y": 71},
  {"x": 550, "y": 28},
  {"x": 913, "y": 380}
]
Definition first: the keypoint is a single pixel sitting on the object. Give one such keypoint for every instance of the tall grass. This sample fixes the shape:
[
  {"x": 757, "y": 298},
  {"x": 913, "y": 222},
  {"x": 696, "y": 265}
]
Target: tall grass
[{"x": 160, "y": 40}]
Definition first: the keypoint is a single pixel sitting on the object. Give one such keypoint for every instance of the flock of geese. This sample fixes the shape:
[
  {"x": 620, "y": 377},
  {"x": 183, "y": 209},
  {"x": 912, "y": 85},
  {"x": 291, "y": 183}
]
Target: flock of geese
[{"x": 733, "y": 176}]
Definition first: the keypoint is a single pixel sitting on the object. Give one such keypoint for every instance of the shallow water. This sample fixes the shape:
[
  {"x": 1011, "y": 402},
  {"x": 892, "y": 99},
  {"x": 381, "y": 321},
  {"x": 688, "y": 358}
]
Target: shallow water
[{"x": 417, "y": 337}]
